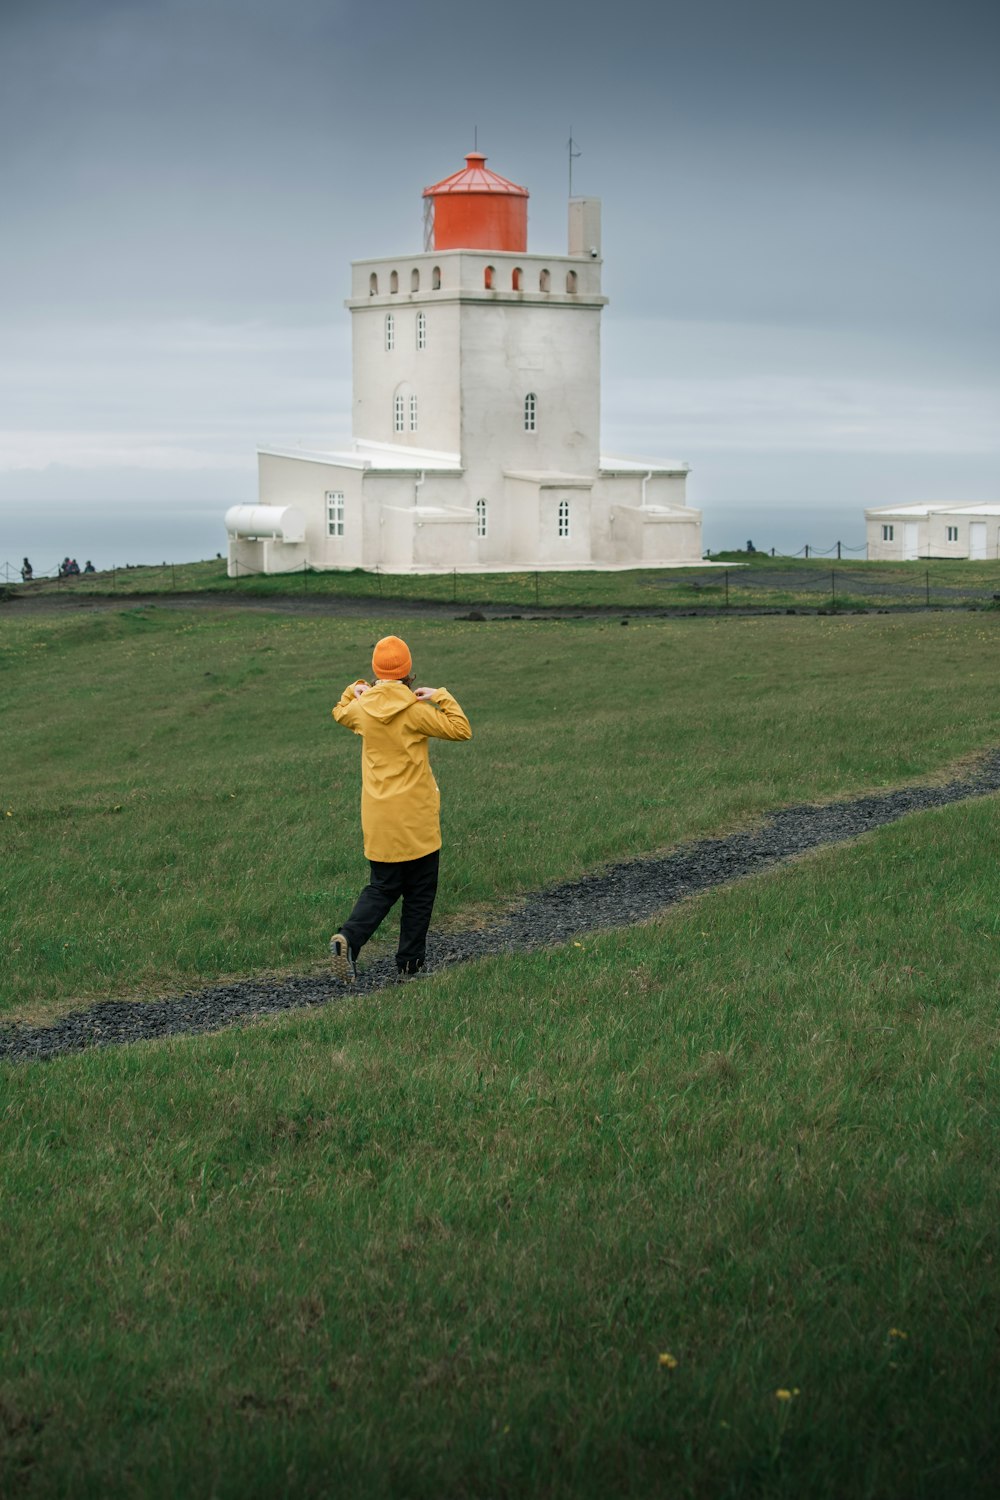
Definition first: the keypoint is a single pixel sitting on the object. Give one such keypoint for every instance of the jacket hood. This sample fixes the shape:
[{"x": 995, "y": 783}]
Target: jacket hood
[{"x": 385, "y": 700}]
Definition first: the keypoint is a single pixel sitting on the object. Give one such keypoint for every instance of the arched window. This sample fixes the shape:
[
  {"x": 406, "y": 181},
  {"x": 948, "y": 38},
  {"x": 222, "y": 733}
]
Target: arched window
[
  {"x": 436, "y": 279},
  {"x": 562, "y": 519},
  {"x": 515, "y": 279},
  {"x": 413, "y": 413},
  {"x": 394, "y": 281},
  {"x": 390, "y": 333},
  {"x": 488, "y": 275},
  {"x": 480, "y": 518},
  {"x": 399, "y": 414},
  {"x": 530, "y": 409},
  {"x": 373, "y": 285},
  {"x": 414, "y": 280},
  {"x": 421, "y": 330},
  {"x": 544, "y": 282},
  {"x": 571, "y": 282}
]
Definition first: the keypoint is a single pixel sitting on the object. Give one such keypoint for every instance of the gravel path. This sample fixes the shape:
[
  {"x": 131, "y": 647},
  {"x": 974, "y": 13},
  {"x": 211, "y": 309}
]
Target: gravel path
[{"x": 616, "y": 897}]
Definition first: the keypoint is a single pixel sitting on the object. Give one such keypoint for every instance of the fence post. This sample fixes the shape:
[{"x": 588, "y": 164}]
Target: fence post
[
  {"x": 927, "y": 586},
  {"x": 838, "y": 552},
  {"x": 727, "y": 588},
  {"x": 807, "y": 549}
]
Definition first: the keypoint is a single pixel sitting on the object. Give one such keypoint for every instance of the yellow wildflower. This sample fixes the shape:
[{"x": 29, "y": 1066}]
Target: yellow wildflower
[
  {"x": 787, "y": 1395},
  {"x": 667, "y": 1362},
  {"x": 897, "y": 1333}
]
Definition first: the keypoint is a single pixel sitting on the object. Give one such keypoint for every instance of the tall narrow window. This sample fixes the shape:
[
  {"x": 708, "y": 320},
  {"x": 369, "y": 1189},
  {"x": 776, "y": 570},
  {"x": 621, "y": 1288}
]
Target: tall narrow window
[
  {"x": 887, "y": 533},
  {"x": 530, "y": 406},
  {"x": 571, "y": 282},
  {"x": 373, "y": 285},
  {"x": 562, "y": 523},
  {"x": 390, "y": 332},
  {"x": 399, "y": 414},
  {"x": 544, "y": 282},
  {"x": 414, "y": 280},
  {"x": 953, "y": 533},
  {"x": 436, "y": 279},
  {"x": 515, "y": 279},
  {"x": 421, "y": 330},
  {"x": 335, "y": 513},
  {"x": 480, "y": 518},
  {"x": 394, "y": 281},
  {"x": 413, "y": 413}
]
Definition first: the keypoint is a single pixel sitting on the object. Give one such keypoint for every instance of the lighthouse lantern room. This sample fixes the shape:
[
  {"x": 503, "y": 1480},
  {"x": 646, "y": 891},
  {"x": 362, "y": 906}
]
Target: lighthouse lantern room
[{"x": 476, "y": 414}]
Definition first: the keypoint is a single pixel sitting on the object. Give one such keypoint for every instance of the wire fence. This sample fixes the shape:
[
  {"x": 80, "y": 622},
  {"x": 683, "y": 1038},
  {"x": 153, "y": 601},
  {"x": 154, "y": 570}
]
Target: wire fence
[{"x": 716, "y": 585}]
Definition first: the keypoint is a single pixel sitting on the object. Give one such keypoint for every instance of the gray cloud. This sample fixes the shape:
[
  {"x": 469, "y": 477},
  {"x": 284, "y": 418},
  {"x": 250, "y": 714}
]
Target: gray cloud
[{"x": 799, "y": 225}]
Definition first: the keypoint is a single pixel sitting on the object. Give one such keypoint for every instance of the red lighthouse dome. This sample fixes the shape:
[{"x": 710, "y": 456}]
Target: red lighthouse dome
[{"x": 476, "y": 209}]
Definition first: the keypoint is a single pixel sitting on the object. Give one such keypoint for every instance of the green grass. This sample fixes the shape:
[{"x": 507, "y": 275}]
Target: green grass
[
  {"x": 178, "y": 805},
  {"x": 749, "y": 580},
  {"x": 435, "y": 1242}
]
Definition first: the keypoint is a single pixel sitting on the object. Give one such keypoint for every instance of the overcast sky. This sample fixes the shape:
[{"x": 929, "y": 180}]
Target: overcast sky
[{"x": 800, "y": 238}]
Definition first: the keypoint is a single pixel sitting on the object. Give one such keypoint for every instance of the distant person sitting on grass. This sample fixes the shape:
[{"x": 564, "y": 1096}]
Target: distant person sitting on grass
[{"x": 400, "y": 802}]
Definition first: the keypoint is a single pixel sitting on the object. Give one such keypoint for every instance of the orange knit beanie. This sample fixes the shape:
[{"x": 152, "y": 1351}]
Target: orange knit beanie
[{"x": 391, "y": 658}]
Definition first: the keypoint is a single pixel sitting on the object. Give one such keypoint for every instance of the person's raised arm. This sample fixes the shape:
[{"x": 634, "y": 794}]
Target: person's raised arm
[{"x": 441, "y": 715}]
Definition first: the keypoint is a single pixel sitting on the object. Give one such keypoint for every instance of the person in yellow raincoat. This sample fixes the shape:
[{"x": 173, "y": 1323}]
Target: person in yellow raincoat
[{"x": 400, "y": 802}]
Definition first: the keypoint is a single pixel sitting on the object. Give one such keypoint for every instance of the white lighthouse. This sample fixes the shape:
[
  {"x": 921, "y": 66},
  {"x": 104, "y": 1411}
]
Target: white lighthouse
[{"x": 476, "y": 415}]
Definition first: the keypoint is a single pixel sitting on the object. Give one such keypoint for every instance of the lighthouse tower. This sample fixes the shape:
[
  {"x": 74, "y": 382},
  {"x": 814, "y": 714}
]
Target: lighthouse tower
[{"x": 476, "y": 412}]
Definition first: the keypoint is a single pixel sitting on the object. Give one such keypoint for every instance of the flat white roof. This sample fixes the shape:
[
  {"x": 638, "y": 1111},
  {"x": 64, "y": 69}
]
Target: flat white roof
[
  {"x": 373, "y": 456},
  {"x": 610, "y": 465},
  {"x": 933, "y": 507}
]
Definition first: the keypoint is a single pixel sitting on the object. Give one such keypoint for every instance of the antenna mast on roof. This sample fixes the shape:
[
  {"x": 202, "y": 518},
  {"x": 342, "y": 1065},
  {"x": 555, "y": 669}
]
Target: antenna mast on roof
[{"x": 572, "y": 157}]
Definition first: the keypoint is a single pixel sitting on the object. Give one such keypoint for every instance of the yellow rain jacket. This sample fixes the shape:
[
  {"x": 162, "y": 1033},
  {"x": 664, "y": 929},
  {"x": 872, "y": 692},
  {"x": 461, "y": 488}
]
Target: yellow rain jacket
[{"x": 400, "y": 801}]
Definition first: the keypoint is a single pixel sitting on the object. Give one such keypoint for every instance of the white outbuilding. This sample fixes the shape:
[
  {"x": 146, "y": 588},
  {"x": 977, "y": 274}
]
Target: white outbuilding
[
  {"x": 948, "y": 528},
  {"x": 476, "y": 415}
]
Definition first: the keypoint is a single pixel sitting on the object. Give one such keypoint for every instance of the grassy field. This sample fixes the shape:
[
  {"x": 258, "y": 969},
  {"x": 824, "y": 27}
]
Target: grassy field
[
  {"x": 178, "y": 805},
  {"x": 707, "y": 1208},
  {"x": 738, "y": 580}
]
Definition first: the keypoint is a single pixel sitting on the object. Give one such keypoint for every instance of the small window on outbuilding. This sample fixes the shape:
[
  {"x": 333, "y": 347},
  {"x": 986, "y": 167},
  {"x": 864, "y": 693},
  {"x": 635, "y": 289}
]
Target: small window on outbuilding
[
  {"x": 953, "y": 533},
  {"x": 515, "y": 279},
  {"x": 436, "y": 279},
  {"x": 414, "y": 280},
  {"x": 393, "y": 281},
  {"x": 480, "y": 518},
  {"x": 373, "y": 285},
  {"x": 335, "y": 513},
  {"x": 571, "y": 282},
  {"x": 530, "y": 411},
  {"x": 887, "y": 533},
  {"x": 544, "y": 282}
]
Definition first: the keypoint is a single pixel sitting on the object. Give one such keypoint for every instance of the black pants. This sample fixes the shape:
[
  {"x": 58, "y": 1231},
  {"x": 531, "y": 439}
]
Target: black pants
[{"x": 416, "y": 881}]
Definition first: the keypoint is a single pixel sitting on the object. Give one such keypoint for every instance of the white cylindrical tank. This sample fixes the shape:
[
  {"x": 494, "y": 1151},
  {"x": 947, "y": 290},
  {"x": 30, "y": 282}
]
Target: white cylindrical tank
[{"x": 282, "y": 522}]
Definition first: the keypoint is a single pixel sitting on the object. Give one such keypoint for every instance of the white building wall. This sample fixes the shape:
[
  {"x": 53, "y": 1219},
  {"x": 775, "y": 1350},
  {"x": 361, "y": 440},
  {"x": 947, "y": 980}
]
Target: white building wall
[{"x": 303, "y": 482}]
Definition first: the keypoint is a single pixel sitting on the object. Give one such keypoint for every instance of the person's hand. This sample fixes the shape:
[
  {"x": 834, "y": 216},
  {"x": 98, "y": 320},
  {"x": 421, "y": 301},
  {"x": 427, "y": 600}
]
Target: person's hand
[
  {"x": 359, "y": 688},
  {"x": 424, "y": 693}
]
